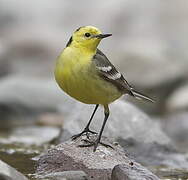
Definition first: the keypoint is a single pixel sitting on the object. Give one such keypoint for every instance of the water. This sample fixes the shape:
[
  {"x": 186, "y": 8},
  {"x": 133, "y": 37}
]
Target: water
[{"x": 20, "y": 157}]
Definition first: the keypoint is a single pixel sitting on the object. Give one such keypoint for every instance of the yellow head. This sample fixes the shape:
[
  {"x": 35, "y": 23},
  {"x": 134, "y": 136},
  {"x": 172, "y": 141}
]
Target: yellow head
[{"x": 86, "y": 37}]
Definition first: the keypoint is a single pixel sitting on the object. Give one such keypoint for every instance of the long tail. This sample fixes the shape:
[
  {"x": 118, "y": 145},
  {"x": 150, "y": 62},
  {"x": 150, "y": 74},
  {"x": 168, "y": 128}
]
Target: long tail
[{"x": 139, "y": 95}]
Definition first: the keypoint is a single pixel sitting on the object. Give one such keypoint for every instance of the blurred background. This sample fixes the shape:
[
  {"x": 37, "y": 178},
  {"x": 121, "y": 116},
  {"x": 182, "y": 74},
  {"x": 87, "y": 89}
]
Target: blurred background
[
  {"x": 149, "y": 46},
  {"x": 148, "y": 43}
]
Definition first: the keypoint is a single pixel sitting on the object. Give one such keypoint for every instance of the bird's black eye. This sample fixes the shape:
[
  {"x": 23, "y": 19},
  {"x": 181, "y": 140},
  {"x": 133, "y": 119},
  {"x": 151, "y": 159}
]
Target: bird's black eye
[{"x": 87, "y": 34}]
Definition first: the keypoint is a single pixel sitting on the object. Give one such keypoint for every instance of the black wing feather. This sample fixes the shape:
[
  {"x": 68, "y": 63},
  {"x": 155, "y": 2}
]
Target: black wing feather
[
  {"x": 101, "y": 61},
  {"x": 108, "y": 72}
]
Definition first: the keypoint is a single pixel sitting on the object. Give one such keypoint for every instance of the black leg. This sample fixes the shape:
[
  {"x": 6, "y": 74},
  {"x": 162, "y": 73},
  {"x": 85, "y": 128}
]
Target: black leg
[
  {"x": 106, "y": 115},
  {"x": 86, "y": 129},
  {"x": 97, "y": 141}
]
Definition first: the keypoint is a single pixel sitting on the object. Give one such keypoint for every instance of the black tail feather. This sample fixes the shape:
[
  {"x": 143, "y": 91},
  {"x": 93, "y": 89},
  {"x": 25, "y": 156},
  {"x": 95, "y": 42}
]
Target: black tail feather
[{"x": 139, "y": 95}]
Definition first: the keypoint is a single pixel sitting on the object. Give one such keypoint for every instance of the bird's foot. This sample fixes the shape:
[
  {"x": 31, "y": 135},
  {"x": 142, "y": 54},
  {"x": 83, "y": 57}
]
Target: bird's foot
[
  {"x": 94, "y": 143},
  {"x": 85, "y": 131}
]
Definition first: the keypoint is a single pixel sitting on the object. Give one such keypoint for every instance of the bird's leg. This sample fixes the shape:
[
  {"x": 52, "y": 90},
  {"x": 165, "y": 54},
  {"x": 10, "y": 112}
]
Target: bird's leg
[
  {"x": 97, "y": 141},
  {"x": 86, "y": 129}
]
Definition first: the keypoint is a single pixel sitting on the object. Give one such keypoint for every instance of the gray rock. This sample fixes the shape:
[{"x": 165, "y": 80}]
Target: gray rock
[
  {"x": 132, "y": 172},
  {"x": 32, "y": 93},
  {"x": 125, "y": 121},
  {"x": 30, "y": 98},
  {"x": 176, "y": 127},
  {"x": 63, "y": 136},
  {"x": 9, "y": 173},
  {"x": 66, "y": 175},
  {"x": 5, "y": 67},
  {"x": 97, "y": 165},
  {"x": 33, "y": 52},
  {"x": 178, "y": 100},
  {"x": 155, "y": 154},
  {"x": 157, "y": 71},
  {"x": 4, "y": 177},
  {"x": 31, "y": 135},
  {"x": 67, "y": 157}
]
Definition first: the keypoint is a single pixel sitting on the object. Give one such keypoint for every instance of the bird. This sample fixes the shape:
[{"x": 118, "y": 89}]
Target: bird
[{"x": 85, "y": 73}]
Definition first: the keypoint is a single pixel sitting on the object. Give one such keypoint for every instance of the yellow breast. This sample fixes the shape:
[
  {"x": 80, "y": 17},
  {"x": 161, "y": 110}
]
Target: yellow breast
[{"x": 76, "y": 75}]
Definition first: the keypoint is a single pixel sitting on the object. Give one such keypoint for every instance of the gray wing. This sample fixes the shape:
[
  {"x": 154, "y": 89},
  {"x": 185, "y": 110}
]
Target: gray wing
[{"x": 108, "y": 72}]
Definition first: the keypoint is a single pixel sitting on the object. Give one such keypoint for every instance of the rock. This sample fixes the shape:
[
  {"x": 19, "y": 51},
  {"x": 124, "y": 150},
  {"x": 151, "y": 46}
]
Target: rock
[
  {"x": 50, "y": 119},
  {"x": 63, "y": 136},
  {"x": 34, "y": 52},
  {"x": 178, "y": 100},
  {"x": 31, "y": 97},
  {"x": 176, "y": 127},
  {"x": 142, "y": 57},
  {"x": 33, "y": 93},
  {"x": 31, "y": 135},
  {"x": 125, "y": 121},
  {"x": 4, "y": 177},
  {"x": 132, "y": 172},
  {"x": 69, "y": 157},
  {"x": 67, "y": 175},
  {"x": 9, "y": 173},
  {"x": 5, "y": 66},
  {"x": 155, "y": 154}
]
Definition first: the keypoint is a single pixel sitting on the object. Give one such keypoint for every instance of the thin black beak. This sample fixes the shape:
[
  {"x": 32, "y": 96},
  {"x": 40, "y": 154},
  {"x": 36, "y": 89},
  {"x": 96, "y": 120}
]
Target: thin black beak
[{"x": 101, "y": 36}]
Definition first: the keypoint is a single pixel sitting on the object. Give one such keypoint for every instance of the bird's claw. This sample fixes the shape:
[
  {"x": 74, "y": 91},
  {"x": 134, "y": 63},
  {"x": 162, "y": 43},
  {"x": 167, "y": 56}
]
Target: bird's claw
[
  {"x": 94, "y": 143},
  {"x": 85, "y": 131}
]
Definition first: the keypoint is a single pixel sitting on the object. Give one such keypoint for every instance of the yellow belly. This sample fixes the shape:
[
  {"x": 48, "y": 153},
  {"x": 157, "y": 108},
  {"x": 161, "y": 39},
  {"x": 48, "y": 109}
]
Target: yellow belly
[{"x": 81, "y": 81}]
